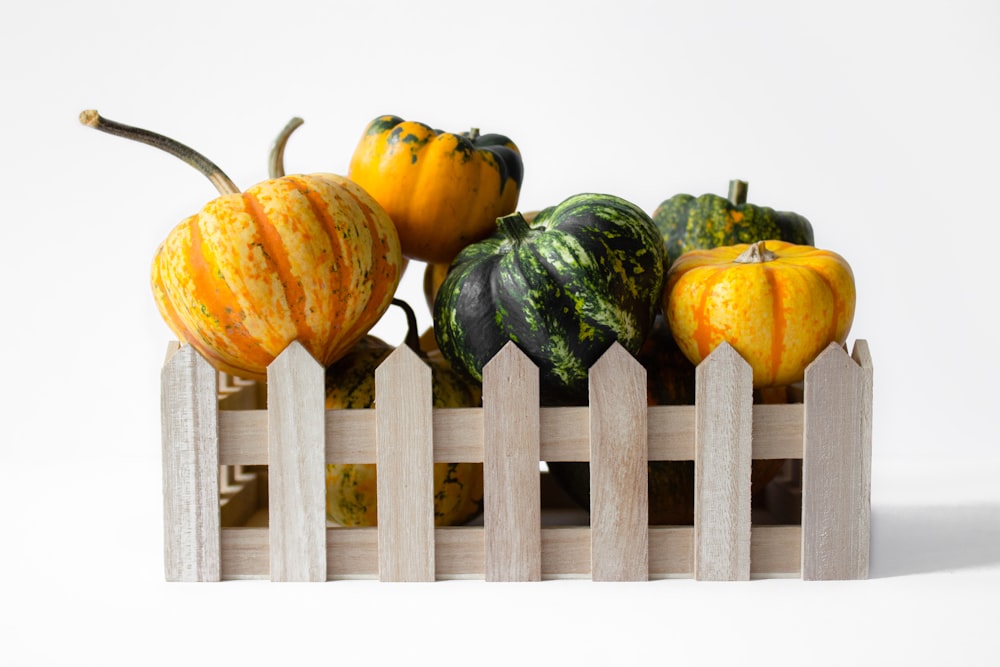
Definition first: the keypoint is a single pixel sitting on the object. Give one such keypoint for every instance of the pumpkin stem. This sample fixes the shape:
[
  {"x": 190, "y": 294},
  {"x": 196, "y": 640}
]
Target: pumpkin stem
[
  {"x": 276, "y": 159},
  {"x": 473, "y": 134},
  {"x": 738, "y": 192},
  {"x": 412, "y": 336},
  {"x": 757, "y": 253},
  {"x": 222, "y": 183},
  {"x": 514, "y": 226}
]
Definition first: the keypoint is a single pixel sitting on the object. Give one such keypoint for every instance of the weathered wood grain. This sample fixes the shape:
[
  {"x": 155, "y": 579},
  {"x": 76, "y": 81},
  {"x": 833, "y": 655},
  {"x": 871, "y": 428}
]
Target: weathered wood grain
[
  {"x": 405, "y": 459},
  {"x": 190, "y": 442},
  {"x": 512, "y": 496},
  {"x": 619, "y": 494},
  {"x": 297, "y": 491},
  {"x": 723, "y": 428},
  {"x": 836, "y": 466}
]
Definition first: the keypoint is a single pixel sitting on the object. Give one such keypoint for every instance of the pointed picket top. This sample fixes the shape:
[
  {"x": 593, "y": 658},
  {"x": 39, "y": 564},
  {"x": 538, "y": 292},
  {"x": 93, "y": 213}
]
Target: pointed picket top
[
  {"x": 295, "y": 355},
  {"x": 401, "y": 357},
  {"x": 725, "y": 353},
  {"x": 510, "y": 356},
  {"x": 617, "y": 355},
  {"x": 183, "y": 355},
  {"x": 833, "y": 358}
]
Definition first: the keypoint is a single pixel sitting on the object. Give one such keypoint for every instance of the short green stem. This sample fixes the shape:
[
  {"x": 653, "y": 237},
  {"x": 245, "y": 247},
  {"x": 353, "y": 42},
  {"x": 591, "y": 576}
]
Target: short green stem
[
  {"x": 738, "y": 192},
  {"x": 514, "y": 226},
  {"x": 222, "y": 183},
  {"x": 276, "y": 159}
]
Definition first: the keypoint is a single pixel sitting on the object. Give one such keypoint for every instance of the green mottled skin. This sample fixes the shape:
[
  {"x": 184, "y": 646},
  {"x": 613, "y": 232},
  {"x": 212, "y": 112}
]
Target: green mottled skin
[
  {"x": 710, "y": 221},
  {"x": 583, "y": 274}
]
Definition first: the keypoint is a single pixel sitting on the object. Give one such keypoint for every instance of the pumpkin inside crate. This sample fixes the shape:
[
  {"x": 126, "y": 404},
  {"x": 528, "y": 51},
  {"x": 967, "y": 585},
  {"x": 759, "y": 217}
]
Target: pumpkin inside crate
[{"x": 670, "y": 380}]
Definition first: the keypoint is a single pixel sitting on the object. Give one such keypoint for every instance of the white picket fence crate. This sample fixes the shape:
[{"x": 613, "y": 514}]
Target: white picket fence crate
[{"x": 219, "y": 433}]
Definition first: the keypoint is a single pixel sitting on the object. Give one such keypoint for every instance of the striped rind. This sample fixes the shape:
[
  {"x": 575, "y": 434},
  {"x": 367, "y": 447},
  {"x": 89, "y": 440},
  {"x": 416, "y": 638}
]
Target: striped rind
[
  {"x": 308, "y": 258},
  {"x": 589, "y": 272},
  {"x": 779, "y": 315},
  {"x": 442, "y": 190},
  {"x": 709, "y": 221}
]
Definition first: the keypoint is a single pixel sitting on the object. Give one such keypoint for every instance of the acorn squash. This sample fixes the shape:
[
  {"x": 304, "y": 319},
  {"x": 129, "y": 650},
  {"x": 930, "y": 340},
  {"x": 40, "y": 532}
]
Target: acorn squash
[
  {"x": 443, "y": 190},
  {"x": 583, "y": 274},
  {"x": 708, "y": 221},
  {"x": 778, "y": 304}
]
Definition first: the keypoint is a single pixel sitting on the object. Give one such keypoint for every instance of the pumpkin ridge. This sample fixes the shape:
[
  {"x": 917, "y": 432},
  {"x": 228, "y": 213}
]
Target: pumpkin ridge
[
  {"x": 378, "y": 290},
  {"x": 201, "y": 278},
  {"x": 779, "y": 323},
  {"x": 340, "y": 256},
  {"x": 273, "y": 246}
]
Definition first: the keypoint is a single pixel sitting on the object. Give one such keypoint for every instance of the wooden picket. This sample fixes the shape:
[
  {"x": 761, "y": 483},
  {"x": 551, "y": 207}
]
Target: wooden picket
[{"x": 282, "y": 433}]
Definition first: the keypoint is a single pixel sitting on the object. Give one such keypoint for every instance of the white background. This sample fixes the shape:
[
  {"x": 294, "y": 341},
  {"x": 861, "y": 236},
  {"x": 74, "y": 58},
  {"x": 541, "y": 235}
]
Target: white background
[{"x": 877, "y": 121}]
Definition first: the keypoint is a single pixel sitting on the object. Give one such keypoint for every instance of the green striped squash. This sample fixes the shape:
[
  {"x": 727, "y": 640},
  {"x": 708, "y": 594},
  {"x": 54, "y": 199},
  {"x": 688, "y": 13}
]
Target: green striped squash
[
  {"x": 563, "y": 287},
  {"x": 709, "y": 221}
]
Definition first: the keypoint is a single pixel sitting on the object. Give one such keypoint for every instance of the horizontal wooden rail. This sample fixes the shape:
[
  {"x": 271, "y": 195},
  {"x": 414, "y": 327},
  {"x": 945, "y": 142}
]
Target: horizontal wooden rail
[
  {"x": 352, "y": 553},
  {"x": 458, "y": 434},
  {"x": 211, "y": 420}
]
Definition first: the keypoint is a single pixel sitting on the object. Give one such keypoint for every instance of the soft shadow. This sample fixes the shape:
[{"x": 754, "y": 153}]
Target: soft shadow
[{"x": 920, "y": 540}]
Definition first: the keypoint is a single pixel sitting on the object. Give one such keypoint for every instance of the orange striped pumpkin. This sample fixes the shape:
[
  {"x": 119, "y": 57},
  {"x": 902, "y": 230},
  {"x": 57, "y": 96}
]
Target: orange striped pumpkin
[
  {"x": 778, "y": 304},
  {"x": 312, "y": 258},
  {"x": 308, "y": 258}
]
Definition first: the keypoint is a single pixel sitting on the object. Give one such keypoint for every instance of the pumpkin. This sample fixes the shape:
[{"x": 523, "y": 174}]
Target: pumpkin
[
  {"x": 670, "y": 380},
  {"x": 709, "y": 221},
  {"x": 351, "y": 489},
  {"x": 778, "y": 304},
  {"x": 435, "y": 272},
  {"x": 583, "y": 274},
  {"x": 443, "y": 190},
  {"x": 311, "y": 258}
]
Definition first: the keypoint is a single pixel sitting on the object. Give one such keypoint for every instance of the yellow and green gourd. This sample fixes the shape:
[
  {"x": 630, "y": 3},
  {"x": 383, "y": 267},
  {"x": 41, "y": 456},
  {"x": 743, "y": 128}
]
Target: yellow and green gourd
[{"x": 351, "y": 489}]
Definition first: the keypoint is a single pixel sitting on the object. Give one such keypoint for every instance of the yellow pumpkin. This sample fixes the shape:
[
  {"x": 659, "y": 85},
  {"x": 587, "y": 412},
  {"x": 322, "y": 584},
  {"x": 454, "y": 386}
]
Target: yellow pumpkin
[
  {"x": 778, "y": 304},
  {"x": 442, "y": 190},
  {"x": 311, "y": 258},
  {"x": 308, "y": 258}
]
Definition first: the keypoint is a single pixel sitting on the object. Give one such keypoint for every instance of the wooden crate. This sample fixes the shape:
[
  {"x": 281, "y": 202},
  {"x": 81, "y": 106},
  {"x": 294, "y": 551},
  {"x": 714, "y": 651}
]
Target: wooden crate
[{"x": 244, "y": 482}]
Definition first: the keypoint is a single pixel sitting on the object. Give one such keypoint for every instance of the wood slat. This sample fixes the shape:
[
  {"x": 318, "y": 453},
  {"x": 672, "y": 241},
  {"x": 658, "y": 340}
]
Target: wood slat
[
  {"x": 190, "y": 442},
  {"x": 619, "y": 494},
  {"x": 512, "y": 495},
  {"x": 405, "y": 459},
  {"x": 563, "y": 434},
  {"x": 352, "y": 553},
  {"x": 836, "y": 448},
  {"x": 297, "y": 483},
  {"x": 723, "y": 425}
]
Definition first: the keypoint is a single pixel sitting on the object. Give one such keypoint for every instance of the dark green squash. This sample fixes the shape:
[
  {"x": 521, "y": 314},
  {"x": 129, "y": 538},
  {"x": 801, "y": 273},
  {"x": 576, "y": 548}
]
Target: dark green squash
[
  {"x": 709, "y": 221},
  {"x": 670, "y": 380},
  {"x": 564, "y": 287}
]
